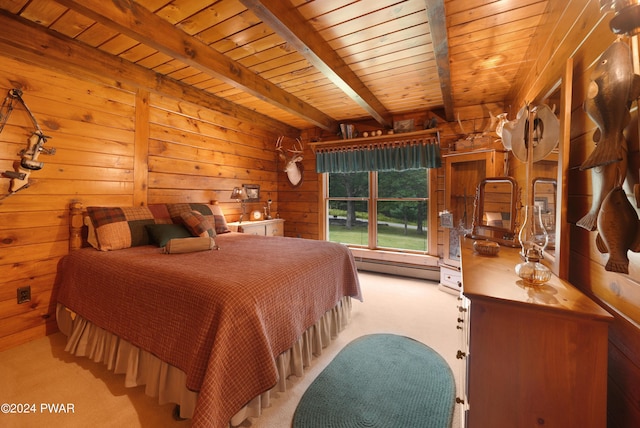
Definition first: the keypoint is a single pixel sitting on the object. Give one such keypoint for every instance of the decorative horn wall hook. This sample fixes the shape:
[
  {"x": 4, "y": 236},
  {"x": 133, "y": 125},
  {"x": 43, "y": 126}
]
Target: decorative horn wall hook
[{"x": 35, "y": 145}]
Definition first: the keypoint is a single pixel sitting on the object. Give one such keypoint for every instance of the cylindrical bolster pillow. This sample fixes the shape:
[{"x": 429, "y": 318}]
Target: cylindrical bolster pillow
[{"x": 189, "y": 245}]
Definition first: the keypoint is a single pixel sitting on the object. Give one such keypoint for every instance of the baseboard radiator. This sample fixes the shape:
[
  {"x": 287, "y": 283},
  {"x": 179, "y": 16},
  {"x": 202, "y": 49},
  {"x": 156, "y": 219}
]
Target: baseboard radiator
[{"x": 431, "y": 273}]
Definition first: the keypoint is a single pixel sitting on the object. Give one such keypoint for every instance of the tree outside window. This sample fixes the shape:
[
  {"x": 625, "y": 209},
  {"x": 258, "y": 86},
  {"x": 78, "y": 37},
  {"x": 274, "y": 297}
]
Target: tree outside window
[{"x": 379, "y": 210}]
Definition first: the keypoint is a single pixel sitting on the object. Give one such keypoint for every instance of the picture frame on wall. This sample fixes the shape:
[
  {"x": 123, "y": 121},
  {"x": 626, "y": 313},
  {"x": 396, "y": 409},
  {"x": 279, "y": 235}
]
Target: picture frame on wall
[
  {"x": 400, "y": 126},
  {"x": 253, "y": 192}
]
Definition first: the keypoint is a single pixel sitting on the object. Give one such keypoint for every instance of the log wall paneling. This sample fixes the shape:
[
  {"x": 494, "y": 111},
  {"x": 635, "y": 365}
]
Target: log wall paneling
[
  {"x": 91, "y": 125},
  {"x": 116, "y": 145},
  {"x": 618, "y": 293}
]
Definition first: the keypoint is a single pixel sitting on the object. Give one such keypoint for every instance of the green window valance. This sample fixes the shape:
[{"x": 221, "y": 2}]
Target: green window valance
[{"x": 391, "y": 153}]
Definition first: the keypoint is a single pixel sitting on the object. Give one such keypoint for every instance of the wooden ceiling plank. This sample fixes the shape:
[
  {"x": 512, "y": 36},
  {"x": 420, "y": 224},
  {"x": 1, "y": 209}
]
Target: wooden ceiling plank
[
  {"x": 179, "y": 10},
  {"x": 137, "y": 53},
  {"x": 139, "y": 23},
  {"x": 377, "y": 31},
  {"x": 78, "y": 58},
  {"x": 518, "y": 38},
  {"x": 478, "y": 31},
  {"x": 359, "y": 15},
  {"x": 374, "y": 49},
  {"x": 256, "y": 38},
  {"x": 44, "y": 12},
  {"x": 71, "y": 23},
  {"x": 13, "y": 6},
  {"x": 235, "y": 24},
  {"x": 291, "y": 26},
  {"x": 96, "y": 35},
  {"x": 437, "y": 22},
  {"x": 212, "y": 15},
  {"x": 498, "y": 12},
  {"x": 118, "y": 44}
]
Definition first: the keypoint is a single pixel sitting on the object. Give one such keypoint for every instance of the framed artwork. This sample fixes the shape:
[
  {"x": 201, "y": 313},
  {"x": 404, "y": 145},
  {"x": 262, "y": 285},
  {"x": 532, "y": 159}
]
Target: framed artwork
[
  {"x": 400, "y": 126},
  {"x": 541, "y": 203},
  {"x": 446, "y": 219},
  {"x": 253, "y": 192}
]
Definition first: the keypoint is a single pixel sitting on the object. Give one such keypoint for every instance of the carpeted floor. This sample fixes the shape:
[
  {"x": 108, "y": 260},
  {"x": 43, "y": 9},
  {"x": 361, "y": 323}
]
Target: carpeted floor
[
  {"x": 41, "y": 372},
  {"x": 380, "y": 380}
]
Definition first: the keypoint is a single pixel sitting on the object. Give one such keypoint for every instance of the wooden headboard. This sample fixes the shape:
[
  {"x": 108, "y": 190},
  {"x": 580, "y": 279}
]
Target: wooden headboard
[
  {"x": 78, "y": 231},
  {"x": 77, "y": 239}
]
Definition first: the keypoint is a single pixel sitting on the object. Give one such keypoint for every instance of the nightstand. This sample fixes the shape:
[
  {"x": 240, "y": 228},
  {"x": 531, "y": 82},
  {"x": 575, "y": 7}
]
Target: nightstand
[{"x": 273, "y": 227}]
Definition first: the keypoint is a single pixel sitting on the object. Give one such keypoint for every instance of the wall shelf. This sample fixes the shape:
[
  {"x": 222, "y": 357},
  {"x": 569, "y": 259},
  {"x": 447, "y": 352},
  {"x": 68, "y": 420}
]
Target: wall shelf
[{"x": 431, "y": 134}]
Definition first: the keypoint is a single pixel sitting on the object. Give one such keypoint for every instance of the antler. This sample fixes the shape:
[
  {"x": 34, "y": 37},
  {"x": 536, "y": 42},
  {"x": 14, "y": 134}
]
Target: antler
[
  {"x": 279, "y": 148},
  {"x": 295, "y": 148}
]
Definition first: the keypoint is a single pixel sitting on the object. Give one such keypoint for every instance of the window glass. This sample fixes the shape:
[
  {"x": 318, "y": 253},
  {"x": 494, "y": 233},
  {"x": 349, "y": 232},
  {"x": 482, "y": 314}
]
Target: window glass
[
  {"x": 400, "y": 215},
  {"x": 349, "y": 222},
  {"x": 349, "y": 185},
  {"x": 403, "y": 184},
  {"x": 402, "y": 225}
]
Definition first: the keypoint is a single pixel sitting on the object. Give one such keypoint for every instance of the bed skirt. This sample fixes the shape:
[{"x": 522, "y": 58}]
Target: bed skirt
[{"x": 167, "y": 382}]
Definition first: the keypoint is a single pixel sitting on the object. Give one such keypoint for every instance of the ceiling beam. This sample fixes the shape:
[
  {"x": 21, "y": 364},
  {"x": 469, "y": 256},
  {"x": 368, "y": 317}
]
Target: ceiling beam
[
  {"x": 54, "y": 50},
  {"x": 135, "y": 21},
  {"x": 438, "y": 23},
  {"x": 289, "y": 24}
]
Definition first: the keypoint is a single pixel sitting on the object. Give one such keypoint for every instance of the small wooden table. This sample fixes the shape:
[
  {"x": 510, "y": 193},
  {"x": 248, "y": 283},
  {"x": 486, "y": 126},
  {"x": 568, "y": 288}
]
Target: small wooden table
[{"x": 273, "y": 227}]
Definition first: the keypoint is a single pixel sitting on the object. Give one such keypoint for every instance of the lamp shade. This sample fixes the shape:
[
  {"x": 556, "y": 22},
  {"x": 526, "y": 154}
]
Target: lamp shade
[{"x": 239, "y": 194}]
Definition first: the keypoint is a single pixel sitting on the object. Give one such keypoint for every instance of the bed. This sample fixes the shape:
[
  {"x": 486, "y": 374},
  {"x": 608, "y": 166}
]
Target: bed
[{"x": 213, "y": 327}]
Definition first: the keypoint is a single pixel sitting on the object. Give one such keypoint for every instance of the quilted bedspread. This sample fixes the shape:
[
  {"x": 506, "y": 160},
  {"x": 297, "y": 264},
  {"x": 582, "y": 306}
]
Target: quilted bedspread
[{"x": 221, "y": 316}]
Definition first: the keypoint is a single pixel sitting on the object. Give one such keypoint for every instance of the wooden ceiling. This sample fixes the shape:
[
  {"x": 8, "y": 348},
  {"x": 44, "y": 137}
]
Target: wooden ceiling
[{"x": 312, "y": 62}]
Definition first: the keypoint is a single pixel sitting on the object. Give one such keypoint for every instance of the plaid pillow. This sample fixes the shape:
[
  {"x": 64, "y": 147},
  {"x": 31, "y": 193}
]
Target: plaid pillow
[
  {"x": 213, "y": 213},
  {"x": 218, "y": 219},
  {"x": 197, "y": 224},
  {"x": 120, "y": 227}
]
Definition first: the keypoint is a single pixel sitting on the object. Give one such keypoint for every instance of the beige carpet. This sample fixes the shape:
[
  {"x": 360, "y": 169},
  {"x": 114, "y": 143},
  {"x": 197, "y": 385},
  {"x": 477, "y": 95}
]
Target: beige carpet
[{"x": 40, "y": 373}]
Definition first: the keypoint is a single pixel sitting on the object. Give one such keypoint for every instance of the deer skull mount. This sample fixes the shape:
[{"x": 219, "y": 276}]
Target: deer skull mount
[{"x": 293, "y": 161}]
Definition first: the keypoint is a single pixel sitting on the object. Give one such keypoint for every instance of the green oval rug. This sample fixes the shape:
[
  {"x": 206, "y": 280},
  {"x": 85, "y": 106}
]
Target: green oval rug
[{"x": 380, "y": 380}]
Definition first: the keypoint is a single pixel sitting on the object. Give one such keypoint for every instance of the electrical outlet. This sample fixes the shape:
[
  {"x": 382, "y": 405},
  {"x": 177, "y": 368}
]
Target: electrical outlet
[{"x": 24, "y": 294}]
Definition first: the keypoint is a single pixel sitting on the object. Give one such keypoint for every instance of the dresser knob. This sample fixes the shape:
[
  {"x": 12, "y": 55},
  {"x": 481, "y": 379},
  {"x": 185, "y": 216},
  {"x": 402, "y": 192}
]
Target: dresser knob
[
  {"x": 459, "y": 400},
  {"x": 460, "y": 355}
]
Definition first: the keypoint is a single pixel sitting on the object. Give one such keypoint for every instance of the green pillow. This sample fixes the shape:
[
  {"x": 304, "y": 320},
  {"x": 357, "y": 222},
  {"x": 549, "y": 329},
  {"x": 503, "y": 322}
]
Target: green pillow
[{"x": 160, "y": 234}]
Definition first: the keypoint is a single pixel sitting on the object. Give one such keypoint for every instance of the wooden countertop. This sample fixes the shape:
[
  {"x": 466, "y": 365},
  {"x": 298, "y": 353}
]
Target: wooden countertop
[{"x": 495, "y": 279}]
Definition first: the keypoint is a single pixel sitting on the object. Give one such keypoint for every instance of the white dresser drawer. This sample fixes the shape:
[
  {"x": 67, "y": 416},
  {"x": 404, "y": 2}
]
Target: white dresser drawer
[{"x": 450, "y": 277}]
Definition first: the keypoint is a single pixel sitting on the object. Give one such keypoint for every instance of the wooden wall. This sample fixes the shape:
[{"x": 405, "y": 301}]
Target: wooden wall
[
  {"x": 616, "y": 292},
  {"x": 122, "y": 143},
  {"x": 579, "y": 31},
  {"x": 116, "y": 145}
]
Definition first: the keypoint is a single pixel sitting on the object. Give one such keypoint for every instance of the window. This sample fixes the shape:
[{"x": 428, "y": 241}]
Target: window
[{"x": 379, "y": 210}]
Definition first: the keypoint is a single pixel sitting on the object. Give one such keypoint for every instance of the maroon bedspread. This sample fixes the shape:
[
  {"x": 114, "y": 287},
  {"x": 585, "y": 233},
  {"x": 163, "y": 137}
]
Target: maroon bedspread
[{"x": 220, "y": 316}]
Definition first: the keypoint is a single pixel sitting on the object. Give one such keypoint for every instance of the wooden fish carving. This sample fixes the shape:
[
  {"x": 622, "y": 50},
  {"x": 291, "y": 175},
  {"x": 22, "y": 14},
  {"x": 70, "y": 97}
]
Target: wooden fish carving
[
  {"x": 607, "y": 102},
  {"x": 603, "y": 179},
  {"x": 618, "y": 227}
]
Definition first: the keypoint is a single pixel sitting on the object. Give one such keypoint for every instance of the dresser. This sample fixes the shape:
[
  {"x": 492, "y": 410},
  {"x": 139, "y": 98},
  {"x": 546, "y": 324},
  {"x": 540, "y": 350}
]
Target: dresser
[
  {"x": 530, "y": 356},
  {"x": 273, "y": 227}
]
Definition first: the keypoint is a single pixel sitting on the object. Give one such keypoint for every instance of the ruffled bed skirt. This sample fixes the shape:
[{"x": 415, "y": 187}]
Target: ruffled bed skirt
[{"x": 168, "y": 382}]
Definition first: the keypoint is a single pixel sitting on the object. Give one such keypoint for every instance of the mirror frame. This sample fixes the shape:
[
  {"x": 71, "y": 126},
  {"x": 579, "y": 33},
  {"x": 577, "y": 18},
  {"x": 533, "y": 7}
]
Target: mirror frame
[
  {"x": 538, "y": 200},
  {"x": 558, "y": 260},
  {"x": 503, "y": 236}
]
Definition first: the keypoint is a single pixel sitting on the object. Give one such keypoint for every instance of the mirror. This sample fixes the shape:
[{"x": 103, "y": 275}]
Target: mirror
[
  {"x": 545, "y": 184},
  {"x": 495, "y": 212},
  {"x": 545, "y": 197}
]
